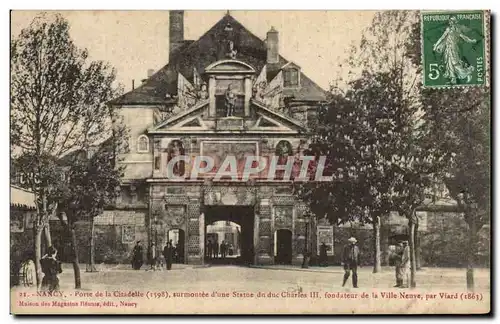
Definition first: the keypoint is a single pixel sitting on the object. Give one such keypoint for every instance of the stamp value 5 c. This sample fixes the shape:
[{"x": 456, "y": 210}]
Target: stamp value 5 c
[{"x": 453, "y": 48}]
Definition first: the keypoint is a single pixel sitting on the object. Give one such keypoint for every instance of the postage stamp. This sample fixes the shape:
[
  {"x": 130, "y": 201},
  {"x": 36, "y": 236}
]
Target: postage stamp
[{"x": 454, "y": 48}]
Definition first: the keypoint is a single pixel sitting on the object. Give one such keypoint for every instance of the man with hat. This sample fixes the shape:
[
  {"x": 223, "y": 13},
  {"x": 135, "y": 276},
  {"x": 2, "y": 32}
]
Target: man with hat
[
  {"x": 405, "y": 266},
  {"x": 350, "y": 260}
]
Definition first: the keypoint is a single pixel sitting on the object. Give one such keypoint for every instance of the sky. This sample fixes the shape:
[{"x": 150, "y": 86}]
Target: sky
[{"x": 135, "y": 41}]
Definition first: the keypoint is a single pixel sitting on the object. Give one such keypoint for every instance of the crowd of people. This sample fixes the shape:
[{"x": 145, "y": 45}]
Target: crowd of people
[
  {"x": 214, "y": 250},
  {"x": 51, "y": 267},
  {"x": 155, "y": 259}
]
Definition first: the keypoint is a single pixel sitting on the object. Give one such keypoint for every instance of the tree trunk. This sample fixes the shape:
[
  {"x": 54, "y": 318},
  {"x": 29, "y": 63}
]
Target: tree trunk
[
  {"x": 377, "y": 267},
  {"x": 470, "y": 253},
  {"x": 418, "y": 261},
  {"x": 38, "y": 230},
  {"x": 76, "y": 265},
  {"x": 48, "y": 237},
  {"x": 413, "y": 267},
  {"x": 92, "y": 246}
]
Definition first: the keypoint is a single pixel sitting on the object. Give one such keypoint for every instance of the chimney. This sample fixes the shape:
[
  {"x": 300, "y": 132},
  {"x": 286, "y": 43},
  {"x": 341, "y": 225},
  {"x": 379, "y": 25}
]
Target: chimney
[
  {"x": 150, "y": 72},
  {"x": 133, "y": 84},
  {"x": 176, "y": 30},
  {"x": 272, "y": 43}
]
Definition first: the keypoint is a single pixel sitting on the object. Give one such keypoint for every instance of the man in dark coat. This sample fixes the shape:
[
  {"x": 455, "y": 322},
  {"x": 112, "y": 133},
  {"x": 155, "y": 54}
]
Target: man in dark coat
[
  {"x": 350, "y": 260},
  {"x": 223, "y": 249},
  {"x": 322, "y": 255},
  {"x": 216, "y": 249},
  {"x": 209, "y": 249},
  {"x": 168, "y": 253},
  {"x": 137, "y": 258},
  {"x": 50, "y": 268}
]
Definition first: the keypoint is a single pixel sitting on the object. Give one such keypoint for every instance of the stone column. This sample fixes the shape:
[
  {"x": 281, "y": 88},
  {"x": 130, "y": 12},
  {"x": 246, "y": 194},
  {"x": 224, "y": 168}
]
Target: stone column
[
  {"x": 264, "y": 249},
  {"x": 193, "y": 231},
  {"x": 211, "y": 95},
  {"x": 248, "y": 95}
]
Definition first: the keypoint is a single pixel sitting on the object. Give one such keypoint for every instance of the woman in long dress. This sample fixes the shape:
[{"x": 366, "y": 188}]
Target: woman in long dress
[{"x": 448, "y": 44}]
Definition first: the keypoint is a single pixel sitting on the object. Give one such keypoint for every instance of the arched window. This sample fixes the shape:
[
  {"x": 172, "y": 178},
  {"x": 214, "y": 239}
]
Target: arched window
[{"x": 143, "y": 144}]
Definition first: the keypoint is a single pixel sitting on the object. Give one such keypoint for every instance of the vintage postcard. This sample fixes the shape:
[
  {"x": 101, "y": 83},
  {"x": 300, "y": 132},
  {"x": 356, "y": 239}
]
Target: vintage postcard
[{"x": 250, "y": 162}]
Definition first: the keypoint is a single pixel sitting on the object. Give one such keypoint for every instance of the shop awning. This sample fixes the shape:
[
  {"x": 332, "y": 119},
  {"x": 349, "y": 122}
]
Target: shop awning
[{"x": 22, "y": 198}]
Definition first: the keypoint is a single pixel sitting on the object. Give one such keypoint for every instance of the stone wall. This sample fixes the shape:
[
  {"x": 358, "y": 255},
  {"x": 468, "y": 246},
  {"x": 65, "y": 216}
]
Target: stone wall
[{"x": 115, "y": 234}]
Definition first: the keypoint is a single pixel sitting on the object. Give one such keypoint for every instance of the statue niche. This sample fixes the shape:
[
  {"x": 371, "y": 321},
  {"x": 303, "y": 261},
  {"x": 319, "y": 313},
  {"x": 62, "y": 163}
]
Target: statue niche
[
  {"x": 230, "y": 98},
  {"x": 175, "y": 148}
]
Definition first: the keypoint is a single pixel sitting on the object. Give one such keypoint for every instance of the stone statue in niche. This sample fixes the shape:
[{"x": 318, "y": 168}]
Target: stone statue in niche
[
  {"x": 175, "y": 149},
  {"x": 231, "y": 51},
  {"x": 203, "y": 93},
  {"x": 230, "y": 101}
]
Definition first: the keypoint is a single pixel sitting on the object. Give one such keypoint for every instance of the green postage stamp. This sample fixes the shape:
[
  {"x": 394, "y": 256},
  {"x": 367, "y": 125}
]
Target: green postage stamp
[{"x": 454, "y": 48}]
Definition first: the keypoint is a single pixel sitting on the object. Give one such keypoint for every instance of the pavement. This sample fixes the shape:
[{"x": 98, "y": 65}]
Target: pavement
[
  {"x": 183, "y": 276},
  {"x": 226, "y": 285}
]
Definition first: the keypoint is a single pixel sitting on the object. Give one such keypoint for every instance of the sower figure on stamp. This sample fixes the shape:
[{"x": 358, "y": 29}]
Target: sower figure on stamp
[
  {"x": 350, "y": 259},
  {"x": 405, "y": 266},
  {"x": 448, "y": 44},
  {"x": 50, "y": 268}
]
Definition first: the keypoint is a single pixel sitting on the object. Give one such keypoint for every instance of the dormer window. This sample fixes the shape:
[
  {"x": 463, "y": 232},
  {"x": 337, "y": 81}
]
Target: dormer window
[
  {"x": 291, "y": 75},
  {"x": 291, "y": 78},
  {"x": 143, "y": 144}
]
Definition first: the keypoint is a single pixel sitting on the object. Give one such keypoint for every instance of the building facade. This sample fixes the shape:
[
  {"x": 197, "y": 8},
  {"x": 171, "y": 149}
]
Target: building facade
[{"x": 229, "y": 93}]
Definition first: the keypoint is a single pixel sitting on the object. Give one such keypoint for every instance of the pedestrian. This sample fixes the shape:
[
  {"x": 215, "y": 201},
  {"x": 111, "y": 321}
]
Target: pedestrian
[
  {"x": 216, "y": 249},
  {"x": 51, "y": 267},
  {"x": 137, "y": 257},
  {"x": 168, "y": 254},
  {"x": 405, "y": 266},
  {"x": 209, "y": 249},
  {"x": 350, "y": 259},
  {"x": 396, "y": 257},
  {"x": 322, "y": 255},
  {"x": 223, "y": 249},
  {"x": 152, "y": 257}
]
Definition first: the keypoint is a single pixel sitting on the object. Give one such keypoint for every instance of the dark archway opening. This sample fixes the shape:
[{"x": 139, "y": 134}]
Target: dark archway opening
[
  {"x": 283, "y": 247},
  {"x": 233, "y": 225},
  {"x": 178, "y": 238}
]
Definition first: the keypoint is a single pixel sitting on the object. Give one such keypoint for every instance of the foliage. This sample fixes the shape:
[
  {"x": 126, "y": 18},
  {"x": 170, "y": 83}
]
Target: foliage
[
  {"x": 57, "y": 103},
  {"x": 58, "y": 107}
]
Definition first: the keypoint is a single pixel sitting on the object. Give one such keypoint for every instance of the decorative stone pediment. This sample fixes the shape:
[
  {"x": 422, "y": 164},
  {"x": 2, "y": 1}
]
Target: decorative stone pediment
[
  {"x": 195, "y": 120},
  {"x": 229, "y": 66}
]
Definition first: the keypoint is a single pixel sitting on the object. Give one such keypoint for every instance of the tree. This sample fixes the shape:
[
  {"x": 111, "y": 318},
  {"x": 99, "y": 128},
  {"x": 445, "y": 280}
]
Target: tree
[
  {"x": 57, "y": 98},
  {"x": 460, "y": 127},
  {"x": 92, "y": 179}
]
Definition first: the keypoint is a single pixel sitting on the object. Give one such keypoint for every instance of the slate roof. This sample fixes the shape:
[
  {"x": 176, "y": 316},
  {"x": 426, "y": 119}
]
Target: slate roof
[{"x": 209, "y": 48}]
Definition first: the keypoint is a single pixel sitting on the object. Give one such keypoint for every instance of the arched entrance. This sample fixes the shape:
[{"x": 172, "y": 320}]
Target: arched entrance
[
  {"x": 233, "y": 225},
  {"x": 178, "y": 238},
  {"x": 283, "y": 246}
]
